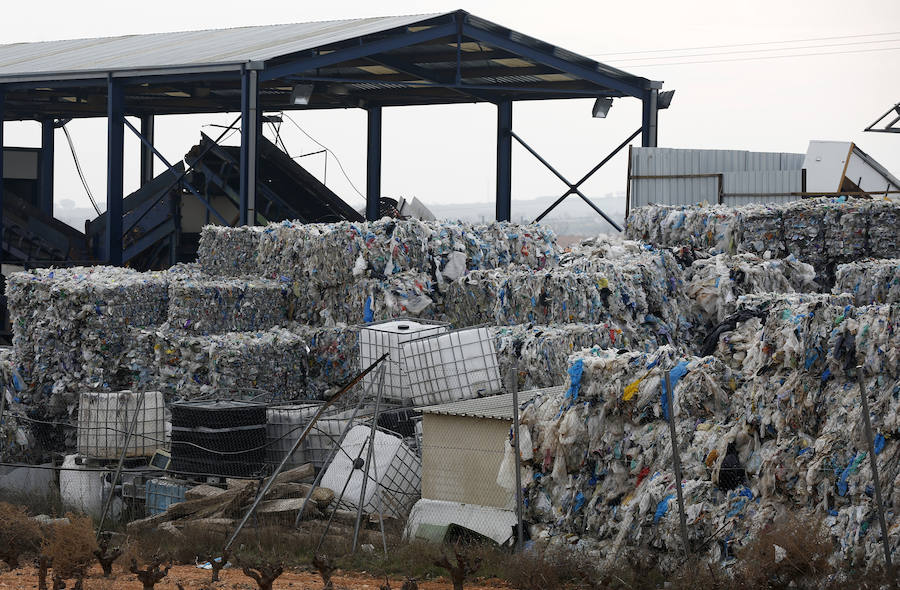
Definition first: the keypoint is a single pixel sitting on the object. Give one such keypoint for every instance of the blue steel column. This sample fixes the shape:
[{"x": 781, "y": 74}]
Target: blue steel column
[
  {"x": 373, "y": 164},
  {"x": 45, "y": 184},
  {"x": 147, "y": 130},
  {"x": 250, "y": 122},
  {"x": 504, "y": 160},
  {"x": 649, "y": 118},
  {"x": 115, "y": 156}
]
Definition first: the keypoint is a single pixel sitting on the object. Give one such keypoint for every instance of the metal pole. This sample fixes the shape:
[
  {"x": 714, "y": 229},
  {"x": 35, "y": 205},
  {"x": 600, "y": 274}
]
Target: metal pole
[
  {"x": 504, "y": 161},
  {"x": 676, "y": 459},
  {"x": 148, "y": 131},
  {"x": 874, "y": 460},
  {"x": 45, "y": 185},
  {"x": 369, "y": 453},
  {"x": 112, "y": 489},
  {"x": 373, "y": 163},
  {"x": 293, "y": 450},
  {"x": 520, "y": 519},
  {"x": 115, "y": 114}
]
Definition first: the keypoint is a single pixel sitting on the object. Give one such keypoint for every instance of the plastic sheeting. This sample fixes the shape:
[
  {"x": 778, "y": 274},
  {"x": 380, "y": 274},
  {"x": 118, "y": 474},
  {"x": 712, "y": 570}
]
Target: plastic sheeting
[
  {"x": 601, "y": 476},
  {"x": 870, "y": 281}
]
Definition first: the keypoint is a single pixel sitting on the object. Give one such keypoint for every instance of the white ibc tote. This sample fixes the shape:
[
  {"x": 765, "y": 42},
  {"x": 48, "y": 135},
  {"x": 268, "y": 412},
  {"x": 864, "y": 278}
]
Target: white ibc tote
[
  {"x": 104, "y": 419},
  {"x": 395, "y": 474},
  {"x": 378, "y": 338}
]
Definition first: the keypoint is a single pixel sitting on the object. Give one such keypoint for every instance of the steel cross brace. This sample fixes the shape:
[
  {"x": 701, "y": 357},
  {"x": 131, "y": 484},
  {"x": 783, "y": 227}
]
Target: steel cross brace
[{"x": 573, "y": 187}]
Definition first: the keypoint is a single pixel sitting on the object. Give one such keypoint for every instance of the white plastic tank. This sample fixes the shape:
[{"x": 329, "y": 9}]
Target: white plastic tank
[
  {"x": 395, "y": 474},
  {"x": 80, "y": 487},
  {"x": 378, "y": 338},
  {"x": 104, "y": 419}
]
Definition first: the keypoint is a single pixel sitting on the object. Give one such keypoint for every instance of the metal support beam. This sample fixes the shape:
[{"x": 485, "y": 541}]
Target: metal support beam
[
  {"x": 115, "y": 178},
  {"x": 45, "y": 183},
  {"x": 148, "y": 133},
  {"x": 573, "y": 188},
  {"x": 649, "y": 118},
  {"x": 373, "y": 164},
  {"x": 249, "y": 144},
  {"x": 504, "y": 161},
  {"x": 358, "y": 51}
]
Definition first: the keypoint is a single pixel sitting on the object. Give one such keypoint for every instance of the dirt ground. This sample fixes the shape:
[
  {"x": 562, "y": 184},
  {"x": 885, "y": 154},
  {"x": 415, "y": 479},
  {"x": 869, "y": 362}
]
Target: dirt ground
[{"x": 192, "y": 577}]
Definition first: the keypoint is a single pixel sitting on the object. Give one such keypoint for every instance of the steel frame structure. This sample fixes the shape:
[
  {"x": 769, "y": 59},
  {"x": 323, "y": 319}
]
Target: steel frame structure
[{"x": 446, "y": 59}]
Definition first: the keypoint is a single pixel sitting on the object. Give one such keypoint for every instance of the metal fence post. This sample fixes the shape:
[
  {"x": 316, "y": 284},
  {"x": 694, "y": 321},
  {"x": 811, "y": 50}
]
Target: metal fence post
[
  {"x": 676, "y": 459},
  {"x": 867, "y": 423},
  {"x": 520, "y": 519}
]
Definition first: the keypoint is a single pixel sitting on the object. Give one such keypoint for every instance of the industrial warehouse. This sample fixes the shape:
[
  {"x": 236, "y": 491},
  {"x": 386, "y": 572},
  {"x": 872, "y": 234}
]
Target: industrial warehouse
[{"x": 232, "y": 372}]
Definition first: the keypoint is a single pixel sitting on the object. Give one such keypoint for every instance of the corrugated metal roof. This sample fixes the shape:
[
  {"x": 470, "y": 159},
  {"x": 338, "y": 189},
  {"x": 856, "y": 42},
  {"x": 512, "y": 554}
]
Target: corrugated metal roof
[
  {"x": 215, "y": 47},
  {"x": 497, "y": 407}
]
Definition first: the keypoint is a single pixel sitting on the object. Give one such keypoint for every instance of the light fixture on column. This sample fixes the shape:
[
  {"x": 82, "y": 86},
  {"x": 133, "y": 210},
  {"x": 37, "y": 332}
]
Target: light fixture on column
[
  {"x": 601, "y": 107},
  {"x": 301, "y": 93},
  {"x": 664, "y": 99}
]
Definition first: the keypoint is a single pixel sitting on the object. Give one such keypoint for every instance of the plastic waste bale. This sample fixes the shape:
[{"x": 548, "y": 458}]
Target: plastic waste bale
[
  {"x": 334, "y": 254},
  {"x": 333, "y": 356},
  {"x": 601, "y": 469},
  {"x": 69, "y": 326},
  {"x": 709, "y": 227},
  {"x": 542, "y": 352},
  {"x": 882, "y": 236},
  {"x": 714, "y": 284},
  {"x": 229, "y": 251},
  {"x": 271, "y": 362},
  {"x": 216, "y": 305},
  {"x": 759, "y": 229},
  {"x": 871, "y": 280}
]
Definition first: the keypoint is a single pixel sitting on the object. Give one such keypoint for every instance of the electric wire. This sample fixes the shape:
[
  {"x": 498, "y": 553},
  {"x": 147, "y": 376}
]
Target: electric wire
[
  {"x": 84, "y": 183},
  {"x": 818, "y": 54},
  {"x": 765, "y": 50},
  {"x": 746, "y": 44},
  {"x": 327, "y": 150}
]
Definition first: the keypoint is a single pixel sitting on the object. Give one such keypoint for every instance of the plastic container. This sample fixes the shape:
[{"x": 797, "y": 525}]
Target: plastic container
[
  {"x": 162, "y": 492},
  {"x": 219, "y": 438},
  {"x": 457, "y": 365},
  {"x": 388, "y": 336},
  {"x": 81, "y": 487},
  {"x": 395, "y": 475},
  {"x": 104, "y": 419}
]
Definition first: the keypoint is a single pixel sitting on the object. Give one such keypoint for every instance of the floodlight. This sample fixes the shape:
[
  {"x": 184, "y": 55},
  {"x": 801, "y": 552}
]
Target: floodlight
[
  {"x": 301, "y": 94},
  {"x": 601, "y": 107},
  {"x": 664, "y": 99}
]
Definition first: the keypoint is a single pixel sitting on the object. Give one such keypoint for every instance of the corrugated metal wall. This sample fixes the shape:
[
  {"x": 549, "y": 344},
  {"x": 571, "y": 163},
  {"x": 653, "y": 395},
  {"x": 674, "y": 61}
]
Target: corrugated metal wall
[{"x": 685, "y": 177}]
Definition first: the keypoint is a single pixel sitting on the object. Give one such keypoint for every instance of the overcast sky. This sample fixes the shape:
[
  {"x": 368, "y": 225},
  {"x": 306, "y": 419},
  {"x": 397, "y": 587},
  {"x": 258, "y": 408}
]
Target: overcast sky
[{"x": 756, "y": 100}]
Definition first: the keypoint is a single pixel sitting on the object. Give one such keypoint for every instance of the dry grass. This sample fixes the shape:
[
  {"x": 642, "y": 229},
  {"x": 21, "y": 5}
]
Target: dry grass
[{"x": 70, "y": 547}]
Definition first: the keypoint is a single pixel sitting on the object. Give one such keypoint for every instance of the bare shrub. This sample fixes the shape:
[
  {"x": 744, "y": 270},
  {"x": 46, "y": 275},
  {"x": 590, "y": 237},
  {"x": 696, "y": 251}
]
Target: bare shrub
[
  {"x": 151, "y": 574},
  {"x": 70, "y": 549},
  {"x": 792, "y": 551},
  {"x": 19, "y": 534},
  {"x": 466, "y": 565},
  {"x": 106, "y": 554},
  {"x": 264, "y": 574}
]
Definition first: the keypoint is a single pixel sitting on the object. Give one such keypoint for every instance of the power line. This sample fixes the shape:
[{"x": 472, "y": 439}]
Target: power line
[
  {"x": 762, "y": 58},
  {"x": 327, "y": 151},
  {"x": 84, "y": 183},
  {"x": 758, "y": 50},
  {"x": 744, "y": 44}
]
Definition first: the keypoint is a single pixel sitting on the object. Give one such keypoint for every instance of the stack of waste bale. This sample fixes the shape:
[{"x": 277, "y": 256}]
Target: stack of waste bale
[
  {"x": 598, "y": 458},
  {"x": 823, "y": 232},
  {"x": 70, "y": 326}
]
